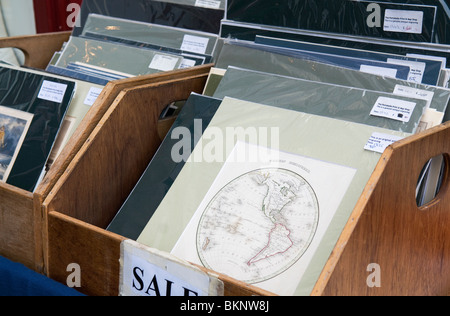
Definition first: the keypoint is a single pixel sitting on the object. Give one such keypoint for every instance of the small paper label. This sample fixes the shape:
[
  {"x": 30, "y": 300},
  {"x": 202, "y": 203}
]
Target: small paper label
[
  {"x": 211, "y": 4},
  {"x": 443, "y": 60},
  {"x": 195, "y": 44},
  {"x": 52, "y": 91},
  {"x": 163, "y": 62},
  {"x": 403, "y": 21},
  {"x": 187, "y": 63},
  {"x": 417, "y": 69},
  {"x": 414, "y": 93},
  {"x": 149, "y": 272},
  {"x": 395, "y": 109},
  {"x": 378, "y": 142},
  {"x": 379, "y": 71},
  {"x": 92, "y": 96}
]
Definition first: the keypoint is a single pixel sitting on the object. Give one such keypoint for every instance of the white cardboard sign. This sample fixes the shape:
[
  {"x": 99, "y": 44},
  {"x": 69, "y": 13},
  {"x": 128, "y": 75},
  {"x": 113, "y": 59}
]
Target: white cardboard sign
[{"x": 149, "y": 272}]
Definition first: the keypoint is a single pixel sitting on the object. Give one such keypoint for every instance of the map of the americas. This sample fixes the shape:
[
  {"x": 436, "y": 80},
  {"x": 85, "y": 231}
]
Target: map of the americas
[{"x": 258, "y": 225}]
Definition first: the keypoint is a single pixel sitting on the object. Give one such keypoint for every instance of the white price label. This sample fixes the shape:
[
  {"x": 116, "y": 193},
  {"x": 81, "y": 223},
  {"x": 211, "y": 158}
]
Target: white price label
[
  {"x": 395, "y": 109},
  {"x": 195, "y": 44},
  {"x": 210, "y": 4},
  {"x": 163, "y": 62},
  {"x": 379, "y": 71},
  {"x": 92, "y": 96},
  {"x": 417, "y": 69},
  {"x": 403, "y": 21},
  {"x": 187, "y": 63},
  {"x": 378, "y": 142},
  {"x": 414, "y": 93},
  {"x": 52, "y": 91}
]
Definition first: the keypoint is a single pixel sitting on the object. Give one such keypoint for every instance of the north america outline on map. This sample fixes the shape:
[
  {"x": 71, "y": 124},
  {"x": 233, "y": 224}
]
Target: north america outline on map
[{"x": 258, "y": 225}]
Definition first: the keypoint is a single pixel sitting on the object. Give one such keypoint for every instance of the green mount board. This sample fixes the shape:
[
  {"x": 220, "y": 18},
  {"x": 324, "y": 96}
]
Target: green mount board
[
  {"x": 318, "y": 138},
  {"x": 163, "y": 169},
  {"x": 315, "y": 98},
  {"x": 255, "y": 59}
]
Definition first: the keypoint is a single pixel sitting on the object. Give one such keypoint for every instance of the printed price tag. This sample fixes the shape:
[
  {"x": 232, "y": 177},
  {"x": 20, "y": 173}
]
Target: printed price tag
[
  {"x": 52, "y": 91},
  {"x": 210, "y": 4},
  {"x": 92, "y": 96},
  {"x": 395, "y": 109},
  {"x": 417, "y": 69},
  {"x": 187, "y": 63},
  {"x": 379, "y": 71},
  {"x": 414, "y": 93},
  {"x": 378, "y": 142},
  {"x": 163, "y": 62},
  {"x": 195, "y": 44},
  {"x": 403, "y": 21}
]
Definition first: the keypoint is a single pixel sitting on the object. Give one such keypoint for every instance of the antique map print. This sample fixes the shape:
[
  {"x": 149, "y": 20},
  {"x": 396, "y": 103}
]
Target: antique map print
[
  {"x": 279, "y": 211},
  {"x": 261, "y": 221}
]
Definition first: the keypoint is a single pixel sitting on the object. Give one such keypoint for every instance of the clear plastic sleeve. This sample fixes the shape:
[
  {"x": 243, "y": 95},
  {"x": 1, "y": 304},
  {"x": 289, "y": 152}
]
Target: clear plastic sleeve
[
  {"x": 94, "y": 58},
  {"x": 249, "y": 56},
  {"x": 349, "y": 104},
  {"x": 318, "y": 139},
  {"x": 394, "y": 21},
  {"x": 46, "y": 99},
  {"x": 163, "y": 170},
  {"x": 393, "y": 70},
  {"x": 156, "y": 12},
  {"x": 195, "y": 42},
  {"x": 422, "y": 70},
  {"x": 211, "y": 4},
  {"x": 83, "y": 99},
  {"x": 248, "y": 32},
  {"x": 442, "y": 31}
]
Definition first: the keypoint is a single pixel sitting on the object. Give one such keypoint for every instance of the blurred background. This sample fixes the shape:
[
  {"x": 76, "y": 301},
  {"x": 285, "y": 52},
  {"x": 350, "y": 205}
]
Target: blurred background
[{"x": 29, "y": 17}]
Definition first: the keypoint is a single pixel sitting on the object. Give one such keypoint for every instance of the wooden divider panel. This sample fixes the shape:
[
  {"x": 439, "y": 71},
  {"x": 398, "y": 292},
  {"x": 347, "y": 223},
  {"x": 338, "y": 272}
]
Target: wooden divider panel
[
  {"x": 98, "y": 110},
  {"x": 102, "y": 175},
  {"x": 37, "y": 49},
  {"x": 23, "y": 223},
  {"x": 17, "y": 226},
  {"x": 95, "y": 251},
  {"x": 390, "y": 246}
]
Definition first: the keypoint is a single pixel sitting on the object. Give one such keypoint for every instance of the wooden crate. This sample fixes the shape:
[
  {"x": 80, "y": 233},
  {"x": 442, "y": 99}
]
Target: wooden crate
[
  {"x": 20, "y": 212},
  {"x": 99, "y": 180},
  {"x": 385, "y": 228},
  {"x": 22, "y": 223}
]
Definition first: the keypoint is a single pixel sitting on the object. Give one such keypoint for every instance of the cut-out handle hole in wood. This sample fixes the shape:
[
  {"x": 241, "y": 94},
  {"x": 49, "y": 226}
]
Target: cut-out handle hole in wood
[
  {"x": 433, "y": 178},
  {"x": 172, "y": 109},
  {"x": 168, "y": 117}
]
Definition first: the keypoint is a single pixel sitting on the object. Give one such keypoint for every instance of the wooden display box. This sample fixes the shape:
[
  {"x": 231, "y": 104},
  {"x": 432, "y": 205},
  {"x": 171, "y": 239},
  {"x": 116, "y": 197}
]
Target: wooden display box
[
  {"x": 20, "y": 211},
  {"x": 409, "y": 244},
  {"x": 100, "y": 178},
  {"x": 22, "y": 223},
  {"x": 386, "y": 227}
]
